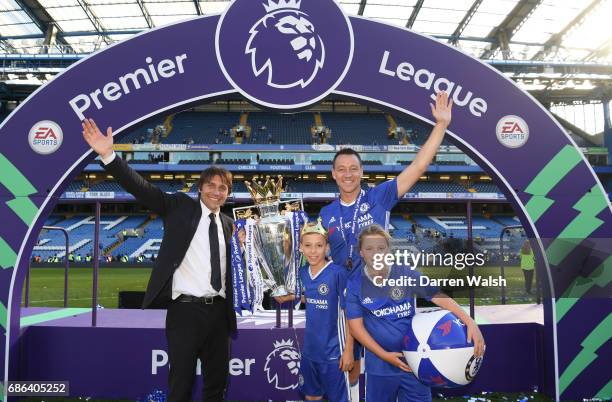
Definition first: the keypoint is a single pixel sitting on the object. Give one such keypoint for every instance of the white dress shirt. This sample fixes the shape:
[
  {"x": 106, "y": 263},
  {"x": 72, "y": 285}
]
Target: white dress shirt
[
  {"x": 109, "y": 159},
  {"x": 192, "y": 277}
]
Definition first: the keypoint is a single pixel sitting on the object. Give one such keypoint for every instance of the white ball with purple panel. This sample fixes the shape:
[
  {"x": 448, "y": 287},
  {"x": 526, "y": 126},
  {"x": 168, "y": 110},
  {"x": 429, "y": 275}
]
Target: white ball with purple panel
[{"x": 437, "y": 350}]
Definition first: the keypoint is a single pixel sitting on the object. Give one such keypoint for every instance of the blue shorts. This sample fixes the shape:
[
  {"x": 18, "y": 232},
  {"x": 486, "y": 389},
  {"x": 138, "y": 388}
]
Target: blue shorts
[
  {"x": 392, "y": 388},
  {"x": 323, "y": 379}
]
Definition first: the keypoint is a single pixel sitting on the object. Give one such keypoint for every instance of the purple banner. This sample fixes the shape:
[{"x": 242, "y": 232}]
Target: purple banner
[{"x": 122, "y": 360}]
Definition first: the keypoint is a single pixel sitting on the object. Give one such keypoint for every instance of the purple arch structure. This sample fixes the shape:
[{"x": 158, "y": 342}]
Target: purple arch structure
[{"x": 540, "y": 169}]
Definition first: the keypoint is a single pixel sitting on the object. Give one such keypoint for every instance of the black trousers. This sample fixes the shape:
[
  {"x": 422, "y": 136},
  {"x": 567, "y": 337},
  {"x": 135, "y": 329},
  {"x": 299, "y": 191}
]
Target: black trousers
[
  {"x": 528, "y": 273},
  {"x": 196, "y": 330}
]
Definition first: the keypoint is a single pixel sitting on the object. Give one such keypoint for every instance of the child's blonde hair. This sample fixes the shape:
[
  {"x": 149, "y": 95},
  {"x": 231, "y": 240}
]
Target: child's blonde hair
[{"x": 374, "y": 230}]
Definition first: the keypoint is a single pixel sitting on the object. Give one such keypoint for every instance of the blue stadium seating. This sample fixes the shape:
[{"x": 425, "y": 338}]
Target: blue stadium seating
[
  {"x": 153, "y": 230},
  {"x": 347, "y": 128},
  {"x": 168, "y": 186},
  {"x": 202, "y": 127},
  {"x": 82, "y": 236},
  {"x": 76, "y": 185},
  {"x": 357, "y": 128},
  {"x": 401, "y": 228},
  {"x": 486, "y": 188},
  {"x": 506, "y": 220},
  {"x": 106, "y": 186},
  {"x": 438, "y": 187},
  {"x": 482, "y": 226},
  {"x": 304, "y": 187},
  {"x": 284, "y": 128},
  {"x": 140, "y": 132},
  {"x": 418, "y": 132},
  {"x": 276, "y": 162},
  {"x": 399, "y": 222}
]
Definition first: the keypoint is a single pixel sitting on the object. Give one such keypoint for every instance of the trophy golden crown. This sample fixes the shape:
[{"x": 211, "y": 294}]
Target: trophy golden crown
[{"x": 269, "y": 192}]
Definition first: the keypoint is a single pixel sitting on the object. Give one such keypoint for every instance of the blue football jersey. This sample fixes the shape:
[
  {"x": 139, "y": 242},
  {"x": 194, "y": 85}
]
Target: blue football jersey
[
  {"x": 324, "y": 321},
  {"x": 386, "y": 312},
  {"x": 374, "y": 207}
]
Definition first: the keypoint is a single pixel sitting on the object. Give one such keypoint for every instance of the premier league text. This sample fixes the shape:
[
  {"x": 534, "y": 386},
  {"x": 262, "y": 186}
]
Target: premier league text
[
  {"x": 131, "y": 81},
  {"x": 428, "y": 80}
]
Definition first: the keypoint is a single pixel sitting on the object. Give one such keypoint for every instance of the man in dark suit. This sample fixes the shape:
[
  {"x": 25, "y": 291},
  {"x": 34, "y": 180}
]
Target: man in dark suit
[{"x": 191, "y": 276}]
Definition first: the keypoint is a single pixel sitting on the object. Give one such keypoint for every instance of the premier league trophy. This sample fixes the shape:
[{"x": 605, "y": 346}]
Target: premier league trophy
[
  {"x": 271, "y": 241},
  {"x": 273, "y": 238}
]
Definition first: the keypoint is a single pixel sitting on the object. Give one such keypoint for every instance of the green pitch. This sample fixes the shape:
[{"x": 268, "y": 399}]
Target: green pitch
[{"x": 47, "y": 285}]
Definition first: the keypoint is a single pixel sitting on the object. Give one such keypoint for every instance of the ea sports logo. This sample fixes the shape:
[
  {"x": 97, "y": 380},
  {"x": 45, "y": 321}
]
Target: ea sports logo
[
  {"x": 45, "y": 137},
  {"x": 512, "y": 131},
  {"x": 284, "y": 54}
]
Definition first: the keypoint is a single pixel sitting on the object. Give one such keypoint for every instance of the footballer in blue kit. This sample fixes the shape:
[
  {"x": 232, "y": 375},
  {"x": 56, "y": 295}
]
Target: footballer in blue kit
[
  {"x": 371, "y": 206},
  {"x": 327, "y": 352},
  {"x": 380, "y": 316},
  {"x": 356, "y": 208}
]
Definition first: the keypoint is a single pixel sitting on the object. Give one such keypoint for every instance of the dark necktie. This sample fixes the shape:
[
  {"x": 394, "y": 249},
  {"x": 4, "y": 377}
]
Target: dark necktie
[{"x": 215, "y": 258}]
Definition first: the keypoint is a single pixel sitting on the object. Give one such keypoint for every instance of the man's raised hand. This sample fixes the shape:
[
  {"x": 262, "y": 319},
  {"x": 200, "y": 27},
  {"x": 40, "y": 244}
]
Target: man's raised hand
[
  {"x": 442, "y": 109},
  {"x": 100, "y": 143}
]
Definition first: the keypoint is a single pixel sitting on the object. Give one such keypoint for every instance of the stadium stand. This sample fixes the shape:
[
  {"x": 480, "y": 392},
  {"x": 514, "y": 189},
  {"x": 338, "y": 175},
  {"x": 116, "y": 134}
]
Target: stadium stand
[
  {"x": 416, "y": 130},
  {"x": 276, "y": 162},
  {"x": 357, "y": 128},
  {"x": 455, "y": 226},
  {"x": 81, "y": 232},
  {"x": 280, "y": 128},
  {"x": 106, "y": 186},
  {"x": 76, "y": 185},
  {"x": 141, "y": 134},
  {"x": 202, "y": 127},
  {"x": 506, "y": 220},
  {"x": 314, "y": 187},
  {"x": 438, "y": 187},
  {"x": 486, "y": 188}
]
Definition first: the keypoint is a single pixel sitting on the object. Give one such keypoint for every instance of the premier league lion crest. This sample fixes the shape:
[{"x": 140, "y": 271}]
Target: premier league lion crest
[
  {"x": 285, "y": 36},
  {"x": 284, "y": 54},
  {"x": 283, "y": 365}
]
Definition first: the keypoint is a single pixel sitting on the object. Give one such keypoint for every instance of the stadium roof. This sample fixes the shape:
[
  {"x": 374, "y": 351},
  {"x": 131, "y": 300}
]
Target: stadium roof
[{"x": 560, "y": 30}]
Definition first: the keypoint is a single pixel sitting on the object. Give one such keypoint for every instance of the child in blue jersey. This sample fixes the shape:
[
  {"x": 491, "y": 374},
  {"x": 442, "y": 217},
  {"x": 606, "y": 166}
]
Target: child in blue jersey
[
  {"x": 380, "y": 315},
  {"x": 328, "y": 350}
]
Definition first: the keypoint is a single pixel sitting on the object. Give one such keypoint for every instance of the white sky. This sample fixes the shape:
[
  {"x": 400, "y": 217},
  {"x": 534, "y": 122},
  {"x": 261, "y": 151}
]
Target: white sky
[{"x": 436, "y": 17}]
